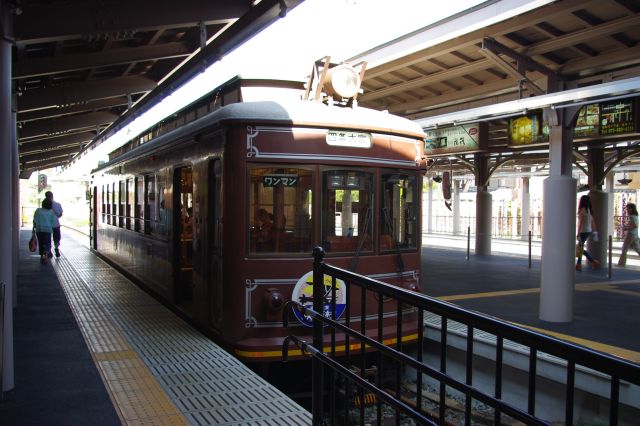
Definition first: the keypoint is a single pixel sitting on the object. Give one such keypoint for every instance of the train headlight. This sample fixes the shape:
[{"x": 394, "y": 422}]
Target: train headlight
[
  {"x": 343, "y": 80},
  {"x": 273, "y": 299}
]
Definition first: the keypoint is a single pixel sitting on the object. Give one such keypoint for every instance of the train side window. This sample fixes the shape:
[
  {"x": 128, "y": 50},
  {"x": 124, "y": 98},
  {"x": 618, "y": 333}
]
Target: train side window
[
  {"x": 347, "y": 211},
  {"x": 399, "y": 215},
  {"x": 280, "y": 210},
  {"x": 150, "y": 205},
  {"x": 108, "y": 201},
  {"x": 115, "y": 199},
  {"x": 163, "y": 219},
  {"x": 104, "y": 204},
  {"x": 138, "y": 213},
  {"x": 122, "y": 198},
  {"x": 130, "y": 202}
]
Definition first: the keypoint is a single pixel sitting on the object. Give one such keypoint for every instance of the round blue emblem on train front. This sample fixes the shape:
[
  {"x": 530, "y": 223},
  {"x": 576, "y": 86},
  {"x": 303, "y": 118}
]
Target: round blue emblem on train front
[{"x": 303, "y": 294}]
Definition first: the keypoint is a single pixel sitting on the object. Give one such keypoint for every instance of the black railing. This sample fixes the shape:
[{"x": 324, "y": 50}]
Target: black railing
[
  {"x": 371, "y": 346},
  {"x": 509, "y": 227}
]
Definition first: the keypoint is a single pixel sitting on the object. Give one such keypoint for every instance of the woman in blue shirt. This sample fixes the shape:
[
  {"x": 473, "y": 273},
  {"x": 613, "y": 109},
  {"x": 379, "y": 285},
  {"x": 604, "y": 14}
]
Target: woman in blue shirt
[{"x": 43, "y": 221}]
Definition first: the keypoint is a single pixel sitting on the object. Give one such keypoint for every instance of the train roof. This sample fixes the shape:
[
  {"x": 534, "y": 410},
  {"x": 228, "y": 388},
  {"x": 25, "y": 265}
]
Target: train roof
[
  {"x": 316, "y": 114},
  {"x": 294, "y": 113}
]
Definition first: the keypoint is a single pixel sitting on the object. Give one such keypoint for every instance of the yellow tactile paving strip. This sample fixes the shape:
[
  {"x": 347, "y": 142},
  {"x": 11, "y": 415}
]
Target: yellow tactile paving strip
[
  {"x": 137, "y": 396},
  {"x": 158, "y": 369}
]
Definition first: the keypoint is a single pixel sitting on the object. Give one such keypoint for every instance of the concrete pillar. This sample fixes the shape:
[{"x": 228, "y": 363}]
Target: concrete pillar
[
  {"x": 600, "y": 204},
  {"x": 610, "y": 213},
  {"x": 15, "y": 195},
  {"x": 483, "y": 221},
  {"x": 559, "y": 225},
  {"x": 598, "y": 201},
  {"x": 483, "y": 205},
  {"x": 7, "y": 274},
  {"x": 456, "y": 207},
  {"x": 525, "y": 208}
]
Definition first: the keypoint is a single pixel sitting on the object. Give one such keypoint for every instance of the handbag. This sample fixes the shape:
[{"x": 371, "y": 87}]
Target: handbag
[
  {"x": 579, "y": 249},
  {"x": 33, "y": 242}
]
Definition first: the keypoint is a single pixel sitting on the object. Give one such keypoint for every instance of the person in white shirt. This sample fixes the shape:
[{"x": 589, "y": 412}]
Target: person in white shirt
[
  {"x": 631, "y": 239},
  {"x": 57, "y": 209},
  {"x": 586, "y": 226}
]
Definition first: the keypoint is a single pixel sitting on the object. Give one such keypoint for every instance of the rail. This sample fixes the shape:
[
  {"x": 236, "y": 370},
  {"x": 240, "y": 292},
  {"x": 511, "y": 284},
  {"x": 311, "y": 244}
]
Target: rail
[{"x": 324, "y": 308}]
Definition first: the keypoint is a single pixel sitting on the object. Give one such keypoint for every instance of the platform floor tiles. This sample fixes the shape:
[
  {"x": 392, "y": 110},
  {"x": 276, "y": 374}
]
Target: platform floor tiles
[{"x": 158, "y": 369}]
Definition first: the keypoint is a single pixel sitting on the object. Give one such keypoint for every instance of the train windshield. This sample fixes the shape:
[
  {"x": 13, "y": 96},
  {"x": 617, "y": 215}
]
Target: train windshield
[
  {"x": 281, "y": 208},
  {"x": 346, "y": 211},
  {"x": 399, "y": 212}
]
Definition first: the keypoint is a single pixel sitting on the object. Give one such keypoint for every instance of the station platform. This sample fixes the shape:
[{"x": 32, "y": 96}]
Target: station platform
[
  {"x": 606, "y": 314},
  {"x": 90, "y": 347}
]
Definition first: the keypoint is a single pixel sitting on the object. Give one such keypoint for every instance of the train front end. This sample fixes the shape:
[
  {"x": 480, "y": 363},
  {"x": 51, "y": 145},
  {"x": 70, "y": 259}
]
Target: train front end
[{"x": 321, "y": 172}]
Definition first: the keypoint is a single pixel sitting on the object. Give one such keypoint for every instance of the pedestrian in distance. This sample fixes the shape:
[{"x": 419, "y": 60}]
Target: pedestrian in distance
[
  {"x": 631, "y": 237},
  {"x": 43, "y": 222},
  {"x": 586, "y": 226},
  {"x": 57, "y": 210}
]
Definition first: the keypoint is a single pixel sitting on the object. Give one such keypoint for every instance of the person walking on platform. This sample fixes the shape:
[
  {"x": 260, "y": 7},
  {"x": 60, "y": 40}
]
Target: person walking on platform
[
  {"x": 631, "y": 238},
  {"x": 57, "y": 210},
  {"x": 586, "y": 226},
  {"x": 43, "y": 222}
]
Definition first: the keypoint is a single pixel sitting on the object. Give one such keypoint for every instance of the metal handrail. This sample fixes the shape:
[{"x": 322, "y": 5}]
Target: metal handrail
[{"x": 574, "y": 355}]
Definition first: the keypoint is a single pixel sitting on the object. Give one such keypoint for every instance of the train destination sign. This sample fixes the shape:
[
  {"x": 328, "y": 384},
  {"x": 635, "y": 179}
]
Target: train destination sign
[
  {"x": 452, "y": 139},
  {"x": 348, "y": 138},
  {"x": 303, "y": 293},
  {"x": 270, "y": 181}
]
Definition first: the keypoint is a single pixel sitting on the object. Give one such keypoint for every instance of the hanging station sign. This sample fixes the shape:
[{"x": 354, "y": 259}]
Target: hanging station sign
[
  {"x": 528, "y": 130},
  {"x": 606, "y": 118},
  {"x": 452, "y": 139},
  {"x": 617, "y": 117},
  {"x": 588, "y": 121}
]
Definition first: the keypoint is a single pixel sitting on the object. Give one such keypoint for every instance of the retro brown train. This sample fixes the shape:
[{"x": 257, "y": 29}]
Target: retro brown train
[{"x": 217, "y": 209}]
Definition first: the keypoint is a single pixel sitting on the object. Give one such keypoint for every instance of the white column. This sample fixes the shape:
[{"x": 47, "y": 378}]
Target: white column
[
  {"x": 608, "y": 181},
  {"x": 456, "y": 207},
  {"x": 6, "y": 214},
  {"x": 559, "y": 229},
  {"x": 15, "y": 195},
  {"x": 483, "y": 221},
  {"x": 525, "y": 208}
]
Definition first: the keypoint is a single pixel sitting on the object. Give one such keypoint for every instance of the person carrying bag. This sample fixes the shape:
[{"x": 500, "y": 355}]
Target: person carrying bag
[{"x": 33, "y": 242}]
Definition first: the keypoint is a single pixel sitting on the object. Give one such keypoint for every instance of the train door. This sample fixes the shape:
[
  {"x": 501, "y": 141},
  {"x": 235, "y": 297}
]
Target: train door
[
  {"x": 214, "y": 242},
  {"x": 183, "y": 238}
]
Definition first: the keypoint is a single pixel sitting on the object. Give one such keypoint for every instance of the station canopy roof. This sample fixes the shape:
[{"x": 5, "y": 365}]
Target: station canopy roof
[
  {"x": 474, "y": 67},
  {"x": 76, "y": 80},
  {"x": 81, "y": 67}
]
